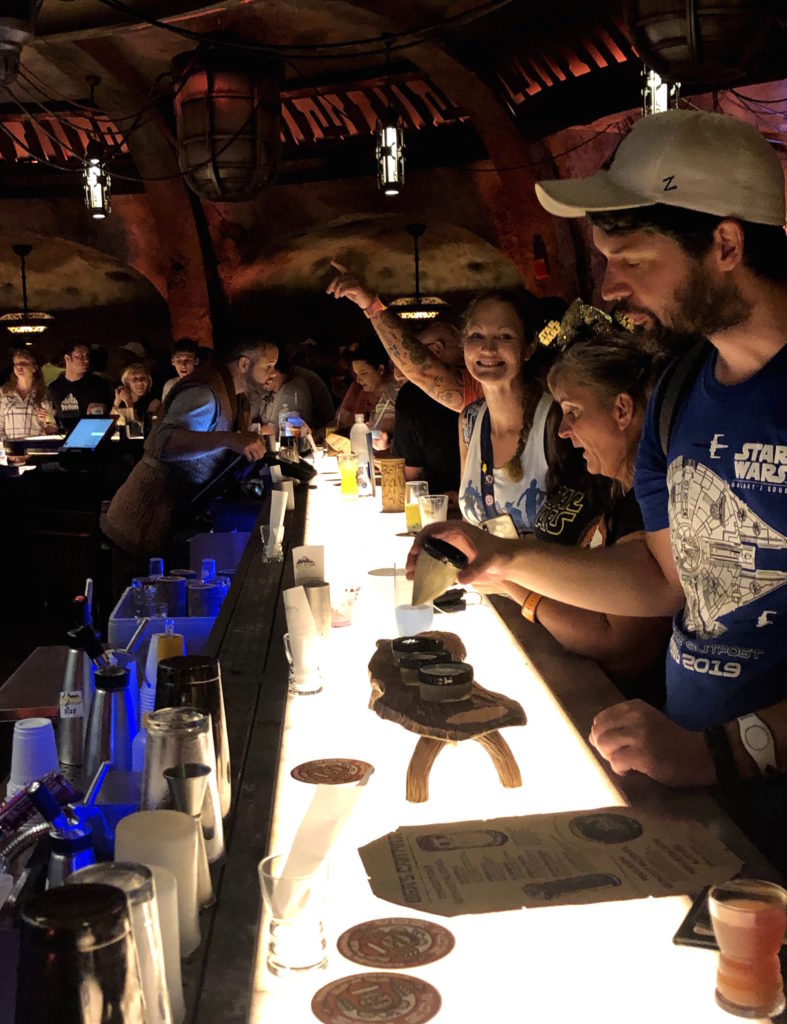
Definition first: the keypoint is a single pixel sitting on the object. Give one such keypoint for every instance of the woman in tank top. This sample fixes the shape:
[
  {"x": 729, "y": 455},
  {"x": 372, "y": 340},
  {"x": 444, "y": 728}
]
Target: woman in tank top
[{"x": 501, "y": 437}]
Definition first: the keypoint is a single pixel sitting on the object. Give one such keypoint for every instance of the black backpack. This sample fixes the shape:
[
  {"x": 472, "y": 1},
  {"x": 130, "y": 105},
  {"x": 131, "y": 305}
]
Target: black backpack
[{"x": 675, "y": 384}]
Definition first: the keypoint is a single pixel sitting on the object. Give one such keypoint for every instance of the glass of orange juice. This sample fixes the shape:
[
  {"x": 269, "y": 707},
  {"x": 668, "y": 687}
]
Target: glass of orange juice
[
  {"x": 749, "y": 918},
  {"x": 348, "y": 472}
]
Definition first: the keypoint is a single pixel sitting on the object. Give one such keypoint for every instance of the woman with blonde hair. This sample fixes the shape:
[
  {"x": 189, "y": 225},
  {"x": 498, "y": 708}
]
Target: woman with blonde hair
[{"x": 134, "y": 396}]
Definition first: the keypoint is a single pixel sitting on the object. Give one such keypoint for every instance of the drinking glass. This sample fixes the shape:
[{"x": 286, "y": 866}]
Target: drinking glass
[
  {"x": 303, "y": 656},
  {"x": 272, "y": 550},
  {"x": 434, "y": 508},
  {"x": 749, "y": 919},
  {"x": 414, "y": 490},
  {"x": 348, "y": 471},
  {"x": 293, "y": 901},
  {"x": 410, "y": 618}
]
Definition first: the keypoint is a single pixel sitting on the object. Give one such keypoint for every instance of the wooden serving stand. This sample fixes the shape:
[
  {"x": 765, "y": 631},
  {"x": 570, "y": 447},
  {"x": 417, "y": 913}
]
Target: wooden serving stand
[{"x": 478, "y": 717}]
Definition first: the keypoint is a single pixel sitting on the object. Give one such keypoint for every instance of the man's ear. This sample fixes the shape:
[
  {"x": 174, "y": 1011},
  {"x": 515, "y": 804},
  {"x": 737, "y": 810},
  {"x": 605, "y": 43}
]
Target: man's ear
[
  {"x": 623, "y": 410},
  {"x": 728, "y": 240},
  {"x": 244, "y": 363}
]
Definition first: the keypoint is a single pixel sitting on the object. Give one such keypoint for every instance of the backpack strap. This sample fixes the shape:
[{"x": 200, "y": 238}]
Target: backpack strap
[
  {"x": 469, "y": 416},
  {"x": 675, "y": 385}
]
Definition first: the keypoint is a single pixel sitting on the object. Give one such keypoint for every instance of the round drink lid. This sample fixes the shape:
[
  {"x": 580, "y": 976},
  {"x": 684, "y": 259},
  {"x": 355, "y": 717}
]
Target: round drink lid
[
  {"x": 444, "y": 552},
  {"x": 446, "y": 673}
]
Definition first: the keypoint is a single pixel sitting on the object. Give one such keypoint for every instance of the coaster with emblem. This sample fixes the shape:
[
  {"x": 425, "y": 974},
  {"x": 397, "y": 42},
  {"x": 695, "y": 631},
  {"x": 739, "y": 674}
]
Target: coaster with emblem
[
  {"x": 395, "y": 942},
  {"x": 376, "y": 998},
  {"x": 332, "y": 771}
]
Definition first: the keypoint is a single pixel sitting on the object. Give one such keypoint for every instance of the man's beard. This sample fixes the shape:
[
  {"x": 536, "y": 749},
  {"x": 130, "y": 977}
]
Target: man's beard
[{"x": 700, "y": 308}]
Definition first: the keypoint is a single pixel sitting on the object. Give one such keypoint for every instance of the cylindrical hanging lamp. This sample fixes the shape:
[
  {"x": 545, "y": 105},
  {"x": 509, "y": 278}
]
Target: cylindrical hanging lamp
[{"x": 228, "y": 118}]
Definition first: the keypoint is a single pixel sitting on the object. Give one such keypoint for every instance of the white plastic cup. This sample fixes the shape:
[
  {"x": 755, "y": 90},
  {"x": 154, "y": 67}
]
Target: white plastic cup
[
  {"x": 167, "y": 839},
  {"x": 33, "y": 754},
  {"x": 167, "y": 899}
]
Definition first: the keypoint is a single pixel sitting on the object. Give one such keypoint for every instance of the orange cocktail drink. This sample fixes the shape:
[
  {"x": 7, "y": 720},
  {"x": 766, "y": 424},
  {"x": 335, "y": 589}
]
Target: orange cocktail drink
[{"x": 749, "y": 920}]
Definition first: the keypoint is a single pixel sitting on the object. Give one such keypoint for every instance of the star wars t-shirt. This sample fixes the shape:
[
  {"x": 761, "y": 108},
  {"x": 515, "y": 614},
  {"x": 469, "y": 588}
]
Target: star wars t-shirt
[
  {"x": 722, "y": 491},
  {"x": 75, "y": 398}
]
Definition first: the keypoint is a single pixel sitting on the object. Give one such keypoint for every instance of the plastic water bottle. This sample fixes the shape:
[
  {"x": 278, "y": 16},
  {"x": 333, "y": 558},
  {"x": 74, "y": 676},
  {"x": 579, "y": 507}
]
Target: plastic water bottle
[
  {"x": 361, "y": 446},
  {"x": 284, "y": 412}
]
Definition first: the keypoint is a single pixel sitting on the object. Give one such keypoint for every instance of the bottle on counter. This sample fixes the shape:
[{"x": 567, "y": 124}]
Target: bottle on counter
[
  {"x": 208, "y": 570},
  {"x": 361, "y": 446},
  {"x": 156, "y": 567}
]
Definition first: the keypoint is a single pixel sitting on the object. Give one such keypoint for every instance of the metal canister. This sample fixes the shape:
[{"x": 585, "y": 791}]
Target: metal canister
[
  {"x": 194, "y": 681},
  {"x": 182, "y": 736},
  {"x": 112, "y": 723}
]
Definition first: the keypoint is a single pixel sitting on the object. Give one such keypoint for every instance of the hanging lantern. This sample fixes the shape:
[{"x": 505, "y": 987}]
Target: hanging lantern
[
  {"x": 17, "y": 29},
  {"x": 658, "y": 95},
  {"x": 417, "y": 306},
  {"x": 98, "y": 183},
  {"x": 390, "y": 153},
  {"x": 25, "y": 321},
  {"x": 703, "y": 42},
  {"x": 228, "y": 117}
]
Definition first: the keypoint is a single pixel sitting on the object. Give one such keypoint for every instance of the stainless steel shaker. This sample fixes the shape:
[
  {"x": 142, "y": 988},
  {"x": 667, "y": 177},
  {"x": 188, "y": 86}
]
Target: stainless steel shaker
[
  {"x": 111, "y": 725},
  {"x": 182, "y": 736},
  {"x": 78, "y": 959},
  {"x": 136, "y": 881},
  {"x": 194, "y": 681}
]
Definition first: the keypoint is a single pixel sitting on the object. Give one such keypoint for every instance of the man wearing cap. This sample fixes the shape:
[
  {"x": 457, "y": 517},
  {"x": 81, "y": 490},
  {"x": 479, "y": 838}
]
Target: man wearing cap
[{"x": 690, "y": 219}]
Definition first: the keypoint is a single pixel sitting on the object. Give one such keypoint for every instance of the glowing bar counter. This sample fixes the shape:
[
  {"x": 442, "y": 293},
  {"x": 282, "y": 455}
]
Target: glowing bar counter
[{"x": 613, "y": 962}]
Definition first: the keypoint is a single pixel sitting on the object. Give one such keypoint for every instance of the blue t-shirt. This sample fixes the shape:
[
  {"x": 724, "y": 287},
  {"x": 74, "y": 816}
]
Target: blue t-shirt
[{"x": 722, "y": 492}]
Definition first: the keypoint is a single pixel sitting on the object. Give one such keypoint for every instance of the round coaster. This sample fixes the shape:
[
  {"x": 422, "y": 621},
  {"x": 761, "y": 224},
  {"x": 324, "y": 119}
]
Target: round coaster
[
  {"x": 376, "y": 999},
  {"x": 331, "y": 771},
  {"x": 395, "y": 942}
]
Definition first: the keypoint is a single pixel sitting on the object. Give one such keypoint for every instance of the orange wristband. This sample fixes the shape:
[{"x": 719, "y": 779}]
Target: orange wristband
[
  {"x": 530, "y": 604},
  {"x": 375, "y": 308}
]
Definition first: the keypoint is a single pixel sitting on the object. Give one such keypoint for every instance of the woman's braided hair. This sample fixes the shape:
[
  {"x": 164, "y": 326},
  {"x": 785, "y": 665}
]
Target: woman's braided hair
[{"x": 533, "y": 314}]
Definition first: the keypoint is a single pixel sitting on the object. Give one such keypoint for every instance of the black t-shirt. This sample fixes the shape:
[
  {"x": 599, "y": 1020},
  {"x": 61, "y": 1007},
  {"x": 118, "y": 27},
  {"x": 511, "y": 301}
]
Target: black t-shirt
[
  {"x": 427, "y": 434},
  {"x": 72, "y": 398}
]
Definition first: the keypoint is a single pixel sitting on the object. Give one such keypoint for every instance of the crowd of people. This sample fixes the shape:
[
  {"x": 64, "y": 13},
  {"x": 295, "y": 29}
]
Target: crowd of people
[{"x": 619, "y": 475}]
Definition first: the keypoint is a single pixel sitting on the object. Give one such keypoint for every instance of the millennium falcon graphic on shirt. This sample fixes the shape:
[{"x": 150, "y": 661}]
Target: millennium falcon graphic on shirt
[{"x": 715, "y": 539}]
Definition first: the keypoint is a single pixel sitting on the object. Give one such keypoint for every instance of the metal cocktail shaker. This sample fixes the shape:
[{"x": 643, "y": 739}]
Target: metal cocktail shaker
[
  {"x": 111, "y": 725},
  {"x": 70, "y": 850},
  {"x": 78, "y": 959},
  {"x": 182, "y": 736},
  {"x": 194, "y": 681}
]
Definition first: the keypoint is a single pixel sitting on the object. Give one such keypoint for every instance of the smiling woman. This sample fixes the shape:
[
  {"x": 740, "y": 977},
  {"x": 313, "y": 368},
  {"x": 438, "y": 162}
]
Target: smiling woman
[{"x": 502, "y": 435}]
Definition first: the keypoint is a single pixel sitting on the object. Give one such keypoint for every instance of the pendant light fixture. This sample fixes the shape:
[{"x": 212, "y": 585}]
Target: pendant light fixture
[
  {"x": 97, "y": 182},
  {"x": 418, "y": 307},
  {"x": 25, "y": 322},
  {"x": 390, "y": 143},
  {"x": 658, "y": 95}
]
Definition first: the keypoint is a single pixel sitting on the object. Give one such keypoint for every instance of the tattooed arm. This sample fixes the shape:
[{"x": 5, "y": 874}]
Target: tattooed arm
[{"x": 440, "y": 381}]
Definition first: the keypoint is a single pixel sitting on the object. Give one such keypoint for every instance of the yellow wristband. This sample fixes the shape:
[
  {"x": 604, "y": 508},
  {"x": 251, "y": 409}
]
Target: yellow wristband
[
  {"x": 529, "y": 606},
  {"x": 375, "y": 308}
]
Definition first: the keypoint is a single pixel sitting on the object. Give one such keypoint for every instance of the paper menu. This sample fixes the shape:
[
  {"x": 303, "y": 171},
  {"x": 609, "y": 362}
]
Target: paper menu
[
  {"x": 475, "y": 867},
  {"x": 308, "y": 563},
  {"x": 278, "y": 508}
]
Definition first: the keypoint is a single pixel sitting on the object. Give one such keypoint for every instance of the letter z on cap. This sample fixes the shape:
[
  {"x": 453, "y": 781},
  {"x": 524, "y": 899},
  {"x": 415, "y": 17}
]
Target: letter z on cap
[{"x": 711, "y": 163}]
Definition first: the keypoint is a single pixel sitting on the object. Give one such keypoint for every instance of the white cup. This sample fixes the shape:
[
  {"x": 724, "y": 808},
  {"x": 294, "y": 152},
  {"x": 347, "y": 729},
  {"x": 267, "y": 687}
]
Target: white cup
[
  {"x": 167, "y": 839},
  {"x": 303, "y": 652},
  {"x": 167, "y": 900},
  {"x": 33, "y": 754}
]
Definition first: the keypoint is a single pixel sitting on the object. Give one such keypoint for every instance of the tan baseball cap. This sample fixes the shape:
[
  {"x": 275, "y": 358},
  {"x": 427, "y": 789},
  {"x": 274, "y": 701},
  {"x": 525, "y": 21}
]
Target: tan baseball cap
[{"x": 711, "y": 163}]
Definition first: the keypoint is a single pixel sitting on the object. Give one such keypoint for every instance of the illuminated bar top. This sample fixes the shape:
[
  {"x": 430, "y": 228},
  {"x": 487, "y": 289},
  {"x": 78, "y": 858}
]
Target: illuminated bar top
[{"x": 612, "y": 962}]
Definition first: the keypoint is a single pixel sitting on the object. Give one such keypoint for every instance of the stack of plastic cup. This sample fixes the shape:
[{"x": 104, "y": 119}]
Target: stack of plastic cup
[{"x": 34, "y": 753}]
